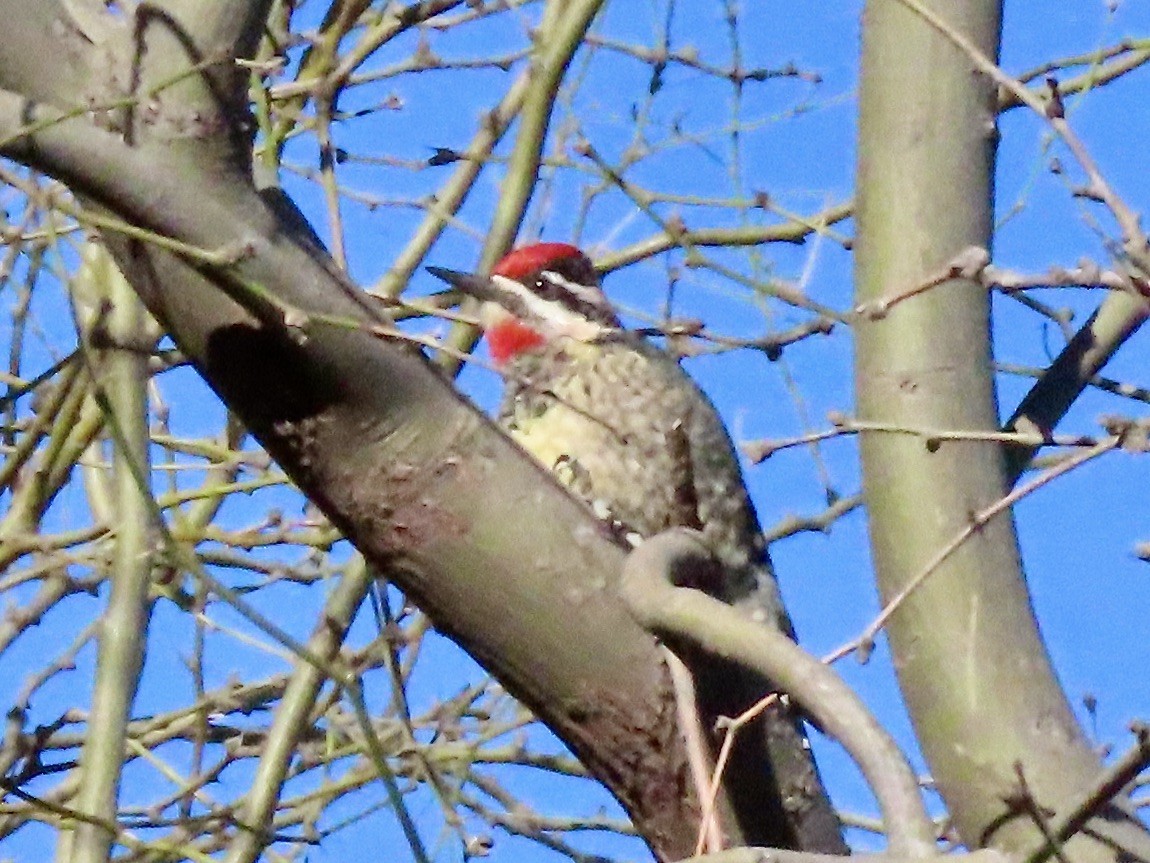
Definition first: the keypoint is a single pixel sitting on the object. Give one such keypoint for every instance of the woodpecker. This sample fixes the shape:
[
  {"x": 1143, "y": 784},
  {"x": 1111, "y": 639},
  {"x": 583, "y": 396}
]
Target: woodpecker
[
  {"x": 614, "y": 416},
  {"x": 624, "y": 427}
]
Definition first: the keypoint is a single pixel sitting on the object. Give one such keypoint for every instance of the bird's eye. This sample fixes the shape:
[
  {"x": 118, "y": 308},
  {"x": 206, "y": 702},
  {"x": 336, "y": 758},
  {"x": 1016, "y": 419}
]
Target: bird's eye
[{"x": 546, "y": 288}]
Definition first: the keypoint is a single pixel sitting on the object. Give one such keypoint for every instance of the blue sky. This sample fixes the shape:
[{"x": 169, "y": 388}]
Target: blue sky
[{"x": 795, "y": 142}]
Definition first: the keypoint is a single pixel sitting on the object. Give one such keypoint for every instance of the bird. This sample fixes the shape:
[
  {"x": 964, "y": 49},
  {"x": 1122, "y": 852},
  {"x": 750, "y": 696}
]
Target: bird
[
  {"x": 614, "y": 414},
  {"x": 619, "y": 422}
]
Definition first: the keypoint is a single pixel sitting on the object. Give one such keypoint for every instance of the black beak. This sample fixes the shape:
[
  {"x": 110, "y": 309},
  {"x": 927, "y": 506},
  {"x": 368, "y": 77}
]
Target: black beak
[{"x": 468, "y": 283}]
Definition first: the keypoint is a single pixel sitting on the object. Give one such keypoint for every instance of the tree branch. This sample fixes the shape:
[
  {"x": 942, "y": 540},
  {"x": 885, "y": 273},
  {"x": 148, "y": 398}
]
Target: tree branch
[
  {"x": 421, "y": 482},
  {"x": 688, "y": 617}
]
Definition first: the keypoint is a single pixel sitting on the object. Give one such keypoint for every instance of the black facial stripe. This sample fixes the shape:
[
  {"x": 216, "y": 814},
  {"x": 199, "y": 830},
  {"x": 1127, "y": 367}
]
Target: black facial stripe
[
  {"x": 576, "y": 268},
  {"x": 551, "y": 290},
  {"x": 597, "y": 309}
]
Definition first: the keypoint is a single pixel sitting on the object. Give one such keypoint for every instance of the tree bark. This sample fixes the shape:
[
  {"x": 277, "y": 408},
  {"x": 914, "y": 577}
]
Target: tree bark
[
  {"x": 974, "y": 671},
  {"x": 475, "y": 532}
]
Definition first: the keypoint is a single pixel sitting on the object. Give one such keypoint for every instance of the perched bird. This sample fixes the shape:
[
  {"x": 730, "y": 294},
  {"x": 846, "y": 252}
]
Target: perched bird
[
  {"x": 614, "y": 415},
  {"x": 628, "y": 431}
]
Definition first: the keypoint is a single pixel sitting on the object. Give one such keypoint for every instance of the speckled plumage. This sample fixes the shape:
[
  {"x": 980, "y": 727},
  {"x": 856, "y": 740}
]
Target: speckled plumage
[
  {"x": 631, "y": 429},
  {"x": 604, "y": 414},
  {"x": 620, "y": 422}
]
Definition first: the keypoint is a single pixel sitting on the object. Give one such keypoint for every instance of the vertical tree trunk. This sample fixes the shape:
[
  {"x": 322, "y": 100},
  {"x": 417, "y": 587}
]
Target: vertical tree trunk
[{"x": 972, "y": 667}]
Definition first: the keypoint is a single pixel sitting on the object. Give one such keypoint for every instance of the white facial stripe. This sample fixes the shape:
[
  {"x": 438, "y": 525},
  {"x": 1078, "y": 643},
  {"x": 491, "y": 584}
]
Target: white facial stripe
[
  {"x": 547, "y": 315},
  {"x": 525, "y": 301},
  {"x": 587, "y": 294}
]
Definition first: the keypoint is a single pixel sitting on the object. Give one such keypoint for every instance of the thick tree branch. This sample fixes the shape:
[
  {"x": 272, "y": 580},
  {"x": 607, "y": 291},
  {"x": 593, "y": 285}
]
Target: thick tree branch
[
  {"x": 121, "y": 381},
  {"x": 972, "y": 666},
  {"x": 1119, "y": 316},
  {"x": 686, "y": 617},
  {"x": 411, "y": 473}
]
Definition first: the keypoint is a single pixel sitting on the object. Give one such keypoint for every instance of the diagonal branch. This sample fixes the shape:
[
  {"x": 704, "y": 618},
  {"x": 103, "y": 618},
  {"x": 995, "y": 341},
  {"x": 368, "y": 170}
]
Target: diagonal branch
[{"x": 424, "y": 485}]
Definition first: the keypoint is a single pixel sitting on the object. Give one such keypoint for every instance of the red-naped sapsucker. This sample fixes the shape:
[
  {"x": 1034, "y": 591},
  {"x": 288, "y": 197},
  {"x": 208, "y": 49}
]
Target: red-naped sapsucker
[{"x": 628, "y": 431}]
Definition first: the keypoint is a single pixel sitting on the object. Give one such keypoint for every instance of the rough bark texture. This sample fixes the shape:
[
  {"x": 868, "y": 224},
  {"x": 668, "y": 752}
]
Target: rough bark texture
[{"x": 415, "y": 477}]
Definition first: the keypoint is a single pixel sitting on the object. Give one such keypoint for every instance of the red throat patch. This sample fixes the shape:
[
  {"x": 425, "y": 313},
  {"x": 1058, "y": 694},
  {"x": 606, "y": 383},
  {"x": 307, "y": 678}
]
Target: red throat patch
[{"x": 507, "y": 338}]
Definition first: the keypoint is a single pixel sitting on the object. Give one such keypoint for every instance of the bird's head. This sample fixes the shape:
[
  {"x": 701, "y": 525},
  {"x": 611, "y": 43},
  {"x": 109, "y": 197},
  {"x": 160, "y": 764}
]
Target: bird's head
[{"x": 534, "y": 295}]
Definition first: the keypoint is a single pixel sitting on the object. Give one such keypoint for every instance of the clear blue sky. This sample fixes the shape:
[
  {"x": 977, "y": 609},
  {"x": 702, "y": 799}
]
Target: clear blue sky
[{"x": 795, "y": 143}]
